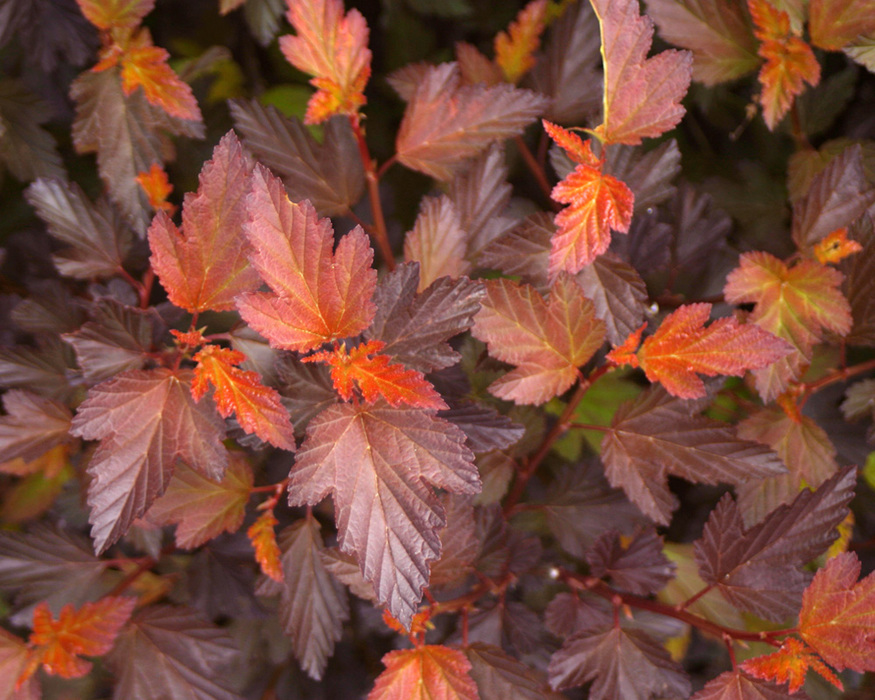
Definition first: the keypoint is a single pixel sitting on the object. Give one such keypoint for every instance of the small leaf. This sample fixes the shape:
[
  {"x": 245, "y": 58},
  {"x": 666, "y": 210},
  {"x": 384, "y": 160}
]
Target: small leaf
[
  {"x": 146, "y": 67},
  {"x": 835, "y": 247},
  {"x": 502, "y": 677},
  {"x": 157, "y": 188},
  {"x": 32, "y": 425},
  {"x": 430, "y": 671},
  {"x": 738, "y": 685},
  {"x": 437, "y": 242},
  {"x": 642, "y": 95},
  {"x": 548, "y": 340},
  {"x": 115, "y": 14},
  {"x": 257, "y": 407},
  {"x": 514, "y": 49},
  {"x": 267, "y": 552},
  {"x": 789, "y": 665},
  {"x": 639, "y": 566},
  {"x": 318, "y": 296}
]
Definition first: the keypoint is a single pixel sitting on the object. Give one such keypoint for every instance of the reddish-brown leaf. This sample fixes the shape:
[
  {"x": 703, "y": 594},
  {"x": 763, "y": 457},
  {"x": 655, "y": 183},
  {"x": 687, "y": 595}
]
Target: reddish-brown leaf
[
  {"x": 203, "y": 508},
  {"x": 115, "y": 14},
  {"x": 682, "y": 348},
  {"x": 267, "y": 552},
  {"x": 333, "y": 48},
  {"x": 377, "y": 377},
  {"x": 738, "y": 685},
  {"x": 32, "y": 425},
  {"x": 318, "y": 295},
  {"x": 790, "y": 664},
  {"x": 514, "y": 49},
  {"x": 382, "y": 465},
  {"x": 598, "y": 203},
  {"x": 204, "y": 266},
  {"x": 642, "y": 95},
  {"x": 424, "y": 673},
  {"x": 146, "y": 67},
  {"x": 257, "y": 407},
  {"x": 437, "y": 241},
  {"x": 548, "y": 340},
  {"x": 14, "y": 657},
  {"x": 838, "y": 614},
  {"x": 833, "y": 24},
  {"x": 789, "y": 65},
  {"x": 90, "y": 631}
]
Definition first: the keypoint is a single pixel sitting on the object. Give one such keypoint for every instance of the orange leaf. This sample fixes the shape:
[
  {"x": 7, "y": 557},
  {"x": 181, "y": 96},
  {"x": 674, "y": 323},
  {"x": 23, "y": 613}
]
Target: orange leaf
[
  {"x": 430, "y": 671},
  {"x": 115, "y": 14},
  {"x": 836, "y": 247},
  {"x": 267, "y": 552},
  {"x": 625, "y": 354},
  {"x": 91, "y": 630},
  {"x": 377, "y": 377},
  {"x": 257, "y": 407},
  {"x": 837, "y": 618},
  {"x": 334, "y": 49},
  {"x": 514, "y": 50},
  {"x": 770, "y": 23},
  {"x": 682, "y": 347},
  {"x": 146, "y": 67},
  {"x": 642, "y": 95},
  {"x": 789, "y": 665},
  {"x": 575, "y": 147},
  {"x": 157, "y": 187}
]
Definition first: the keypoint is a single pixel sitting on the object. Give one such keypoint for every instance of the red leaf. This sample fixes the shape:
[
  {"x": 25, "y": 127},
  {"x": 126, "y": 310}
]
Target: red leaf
[
  {"x": 157, "y": 187},
  {"x": 257, "y": 407},
  {"x": 681, "y": 348},
  {"x": 318, "y": 296},
  {"x": 205, "y": 266},
  {"x": 267, "y": 552},
  {"x": 598, "y": 203},
  {"x": 548, "y": 340},
  {"x": 437, "y": 241},
  {"x": 838, "y": 614},
  {"x": 115, "y": 14},
  {"x": 333, "y": 47},
  {"x": 382, "y": 465},
  {"x": 377, "y": 377},
  {"x": 835, "y": 247},
  {"x": 789, "y": 665},
  {"x": 146, "y": 420},
  {"x": 514, "y": 49},
  {"x": 833, "y": 24},
  {"x": 14, "y": 658},
  {"x": 430, "y": 671},
  {"x": 642, "y": 95},
  {"x": 89, "y": 631},
  {"x": 146, "y": 67}
]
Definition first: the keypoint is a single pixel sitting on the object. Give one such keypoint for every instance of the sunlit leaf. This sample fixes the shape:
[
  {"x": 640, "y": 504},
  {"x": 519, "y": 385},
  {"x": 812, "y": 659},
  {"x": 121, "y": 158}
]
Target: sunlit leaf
[
  {"x": 267, "y": 552},
  {"x": 514, "y": 49},
  {"x": 790, "y": 665},
  {"x": 430, "y": 671},
  {"x": 146, "y": 67}
]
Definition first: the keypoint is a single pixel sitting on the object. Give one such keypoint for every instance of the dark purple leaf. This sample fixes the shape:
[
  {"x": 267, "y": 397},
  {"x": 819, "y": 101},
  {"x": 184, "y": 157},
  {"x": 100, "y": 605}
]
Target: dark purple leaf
[
  {"x": 618, "y": 293},
  {"x": 32, "y": 425},
  {"x": 502, "y": 677},
  {"x": 859, "y": 285},
  {"x": 485, "y": 428},
  {"x": 26, "y": 149},
  {"x": 51, "y": 32},
  {"x": 638, "y": 567}
]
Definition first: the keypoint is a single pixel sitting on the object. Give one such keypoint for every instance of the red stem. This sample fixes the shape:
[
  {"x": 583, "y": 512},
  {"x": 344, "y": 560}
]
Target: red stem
[
  {"x": 372, "y": 178},
  {"x": 536, "y": 170}
]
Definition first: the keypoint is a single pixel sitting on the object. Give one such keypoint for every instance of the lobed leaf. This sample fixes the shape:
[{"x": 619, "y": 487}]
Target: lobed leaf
[
  {"x": 738, "y": 685},
  {"x": 437, "y": 242},
  {"x": 833, "y": 24},
  {"x": 429, "y": 671},
  {"x": 27, "y": 149},
  {"x": 789, "y": 665},
  {"x": 146, "y": 67},
  {"x": 514, "y": 49},
  {"x": 32, "y": 425},
  {"x": 498, "y": 675},
  {"x": 54, "y": 33},
  {"x": 637, "y": 566},
  {"x": 267, "y": 552},
  {"x": 14, "y": 658},
  {"x": 115, "y": 14}
]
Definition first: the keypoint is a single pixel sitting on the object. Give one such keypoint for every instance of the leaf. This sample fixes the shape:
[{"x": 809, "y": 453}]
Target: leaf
[
  {"x": 718, "y": 33},
  {"x": 757, "y": 569},
  {"x": 313, "y": 604},
  {"x": 642, "y": 95},
  {"x": 682, "y": 347},
  {"x": 26, "y": 149},
  {"x": 53, "y": 33},
  {"x": 329, "y": 174},
  {"x": 598, "y": 203},
  {"x": 382, "y": 465},
  {"x": 437, "y": 241},
  {"x": 318, "y": 296},
  {"x": 618, "y": 294},
  {"x": 157, "y": 188},
  {"x": 118, "y": 338},
  {"x": 146, "y": 67},
  {"x": 794, "y": 303},
  {"x": 115, "y": 14},
  {"x": 415, "y": 326},
  {"x": 502, "y": 677},
  {"x": 835, "y": 247},
  {"x": 547, "y": 340},
  {"x": 838, "y": 614},
  {"x": 14, "y": 656},
  {"x": 377, "y": 377},
  {"x": 257, "y": 407},
  {"x": 32, "y": 425},
  {"x": 484, "y": 428},
  {"x": 42, "y": 369},
  {"x": 524, "y": 251},
  {"x": 168, "y": 651},
  {"x": 621, "y": 663},
  {"x": 836, "y": 23},
  {"x": 514, "y": 49},
  {"x": 789, "y": 665},
  {"x": 91, "y": 631},
  {"x": 446, "y": 123},
  {"x": 203, "y": 508},
  {"x": 648, "y": 174},
  {"x": 333, "y": 47},
  {"x": 638, "y": 566},
  {"x": 655, "y": 435},
  {"x": 267, "y": 552},
  {"x": 738, "y": 685},
  {"x": 306, "y": 389},
  {"x": 204, "y": 266},
  {"x": 459, "y": 544},
  {"x": 145, "y": 420},
  {"x": 429, "y": 671},
  {"x": 98, "y": 242},
  {"x": 859, "y": 285}
]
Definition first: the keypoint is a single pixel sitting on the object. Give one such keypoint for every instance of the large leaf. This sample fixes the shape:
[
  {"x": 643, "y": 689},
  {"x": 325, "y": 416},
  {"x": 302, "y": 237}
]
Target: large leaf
[
  {"x": 145, "y": 420},
  {"x": 548, "y": 340},
  {"x": 329, "y": 174},
  {"x": 446, "y": 123},
  {"x": 32, "y": 425},
  {"x": 172, "y": 652},
  {"x": 430, "y": 671},
  {"x": 502, "y": 677},
  {"x": 642, "y": 95},
  {"x": 204, "y": 266},
  {"x": 382, "y": 465},
  {"x": 759, "y": 569},
  {"x": 26, "y": 149},
  {"x": 313, "y": 605},
  {"x": 318, "y": 295},
  {"x": 655, "y": 435}
]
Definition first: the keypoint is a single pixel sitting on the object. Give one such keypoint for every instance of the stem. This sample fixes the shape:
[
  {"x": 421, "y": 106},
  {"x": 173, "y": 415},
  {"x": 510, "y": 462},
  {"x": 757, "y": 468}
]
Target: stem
[
  {"x": 144, "y": 565},
  {"x": 588, "y": 426},
  {"x": 798, "y": 132},
  {"x": 139, "y": 287},
  {"x": 536, "y": 170},
  {"x": 835, "y": 376},
  {"x": 689, "y": 601},
  {"x": 275, "y": 488},
  {"x": 372, "y": 178}
]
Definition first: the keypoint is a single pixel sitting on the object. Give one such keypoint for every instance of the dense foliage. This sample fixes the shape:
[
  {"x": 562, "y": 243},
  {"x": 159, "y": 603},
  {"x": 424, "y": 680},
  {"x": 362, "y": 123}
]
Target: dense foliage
[{"x": 437, "y": 348}]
